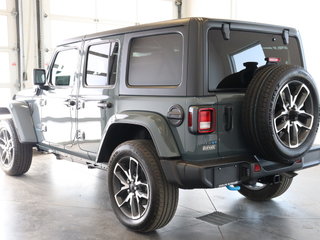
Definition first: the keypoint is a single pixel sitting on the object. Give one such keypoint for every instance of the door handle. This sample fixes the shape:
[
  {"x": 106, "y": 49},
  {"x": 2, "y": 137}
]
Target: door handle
[
  {"x": 104, "y": 104},
  {"x": 70, "y": 102}
]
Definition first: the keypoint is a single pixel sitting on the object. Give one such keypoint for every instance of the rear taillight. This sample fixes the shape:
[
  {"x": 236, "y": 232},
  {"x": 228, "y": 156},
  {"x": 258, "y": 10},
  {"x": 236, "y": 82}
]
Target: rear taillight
[
  {"x": 206, "y": 123},
  {"x": 201, "y": 119}
]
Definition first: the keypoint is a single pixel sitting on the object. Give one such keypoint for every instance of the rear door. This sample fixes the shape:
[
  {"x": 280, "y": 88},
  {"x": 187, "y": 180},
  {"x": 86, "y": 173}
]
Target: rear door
[
  {"x": 232, "y": 61},
  {"x": 96, "y": 93}
]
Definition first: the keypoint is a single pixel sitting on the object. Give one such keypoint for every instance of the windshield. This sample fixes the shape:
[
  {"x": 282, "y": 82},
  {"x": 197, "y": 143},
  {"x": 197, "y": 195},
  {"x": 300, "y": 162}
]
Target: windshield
[{"x": 245, "y": 51}]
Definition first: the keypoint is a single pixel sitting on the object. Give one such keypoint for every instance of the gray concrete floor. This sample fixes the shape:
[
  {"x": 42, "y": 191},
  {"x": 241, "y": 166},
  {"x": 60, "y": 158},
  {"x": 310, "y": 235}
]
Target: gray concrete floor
[{"x": 64, "y": 200}]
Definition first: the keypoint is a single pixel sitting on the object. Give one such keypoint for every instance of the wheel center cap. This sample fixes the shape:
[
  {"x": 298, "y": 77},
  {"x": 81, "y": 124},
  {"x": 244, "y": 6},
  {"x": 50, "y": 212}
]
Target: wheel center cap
[
  {"x": 132, "y": 186},
  {"x": 293, "y": 115}
]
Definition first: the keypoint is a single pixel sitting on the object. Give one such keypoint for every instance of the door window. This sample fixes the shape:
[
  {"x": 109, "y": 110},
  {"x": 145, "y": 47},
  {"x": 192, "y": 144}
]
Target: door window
[
  {"x": 64, "y": 68},
  {"x": 102, "y": 64}
]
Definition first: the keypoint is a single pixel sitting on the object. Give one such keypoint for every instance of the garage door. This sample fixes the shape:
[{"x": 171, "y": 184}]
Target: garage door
[
  {"x": 65, "y": 19},
  {"x": 9, "y": 83}
]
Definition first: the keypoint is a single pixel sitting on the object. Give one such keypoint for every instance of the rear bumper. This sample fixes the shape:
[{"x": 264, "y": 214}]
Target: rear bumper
[{"x": 232, "y": 170}]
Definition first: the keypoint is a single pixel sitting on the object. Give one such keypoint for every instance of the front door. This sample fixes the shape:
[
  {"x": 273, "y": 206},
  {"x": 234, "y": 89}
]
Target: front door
[
  {"x": 96, "y": 94},
  {"x": 59, "y": 102}
]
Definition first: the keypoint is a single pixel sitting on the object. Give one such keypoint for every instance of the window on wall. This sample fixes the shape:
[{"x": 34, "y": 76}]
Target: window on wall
[
  {"x": 156, "y": 60},
  {"x": 8, "y": 54},
  {"x": 5, "y": 69},
  {"x": 4, "y": 31},
  {"x": 80, "y": 8},
  {"x": 128, "y": 9},
  {"x": 64, "y": 68},
  {"x": 102, "y": 64},
  {"x": 4, "y": 56},
  {"x": 3, "y": 4},
  {"x": 152, "y": 11}
]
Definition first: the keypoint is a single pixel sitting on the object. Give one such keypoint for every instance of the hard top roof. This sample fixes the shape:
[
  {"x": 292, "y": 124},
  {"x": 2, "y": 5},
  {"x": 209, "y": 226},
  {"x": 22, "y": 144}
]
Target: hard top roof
[{"x": 234, "y": 24}]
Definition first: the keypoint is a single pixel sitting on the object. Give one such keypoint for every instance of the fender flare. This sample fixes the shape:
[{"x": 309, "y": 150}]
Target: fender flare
[
  {"x": 22, "y": 119},
  {"x": 154, "y": 123}
]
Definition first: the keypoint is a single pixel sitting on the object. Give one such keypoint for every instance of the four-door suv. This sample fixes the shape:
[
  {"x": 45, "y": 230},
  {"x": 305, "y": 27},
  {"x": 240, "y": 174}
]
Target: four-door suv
[{"x": 191, "y": 103}]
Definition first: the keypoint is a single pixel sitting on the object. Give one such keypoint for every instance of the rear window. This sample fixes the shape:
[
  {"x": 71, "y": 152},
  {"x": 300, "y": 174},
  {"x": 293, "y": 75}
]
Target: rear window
[
  {"x": 228, "y": 57},
  {"x": 155, "y": 60}
]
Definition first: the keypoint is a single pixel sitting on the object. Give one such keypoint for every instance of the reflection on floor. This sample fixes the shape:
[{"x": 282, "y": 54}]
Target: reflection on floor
[{"x": 64, "y": 200}]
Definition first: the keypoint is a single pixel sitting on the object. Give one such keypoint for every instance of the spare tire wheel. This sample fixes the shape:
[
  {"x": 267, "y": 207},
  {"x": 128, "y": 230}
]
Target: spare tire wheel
[{"x": 280, "y": 113}]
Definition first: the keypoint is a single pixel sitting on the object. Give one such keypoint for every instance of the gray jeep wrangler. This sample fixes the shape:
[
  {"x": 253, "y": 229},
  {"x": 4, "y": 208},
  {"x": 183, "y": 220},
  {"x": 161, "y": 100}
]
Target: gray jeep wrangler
[{"x": 191, "y": 103}]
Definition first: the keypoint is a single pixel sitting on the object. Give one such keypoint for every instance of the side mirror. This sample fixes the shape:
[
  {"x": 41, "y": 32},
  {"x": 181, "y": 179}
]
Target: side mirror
[{"x": 39, "y": 77}]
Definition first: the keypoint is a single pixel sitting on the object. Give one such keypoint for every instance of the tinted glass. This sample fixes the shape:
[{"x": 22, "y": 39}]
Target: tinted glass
[
  {"x": 65, "y": 68},
  {"x": 156, "y": 61},
  {"x": 102, "y": 64},
  {"x": 229, "y": 56}
]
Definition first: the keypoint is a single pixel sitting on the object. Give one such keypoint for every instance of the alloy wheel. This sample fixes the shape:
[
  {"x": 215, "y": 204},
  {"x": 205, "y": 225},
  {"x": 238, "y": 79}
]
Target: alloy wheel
[
  {"x": 293, "y": 114},
  {"x": 131, "y": 188},
  {"x": 6, "y": 148}
]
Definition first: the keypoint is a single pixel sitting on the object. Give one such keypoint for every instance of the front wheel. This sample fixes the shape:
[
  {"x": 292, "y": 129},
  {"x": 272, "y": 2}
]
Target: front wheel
[
  {"x": 263, "y": 191},
  {"x": 15, "y": 157},
  {"x": 141, "y": 197}
]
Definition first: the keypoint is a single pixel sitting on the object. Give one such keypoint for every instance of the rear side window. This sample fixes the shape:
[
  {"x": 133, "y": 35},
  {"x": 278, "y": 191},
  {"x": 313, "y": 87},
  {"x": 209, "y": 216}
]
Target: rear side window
[
  {"x": 242, "y": 53},
  {"x": 64, "y": 68},
  {"x": 102, "y": 64},
  {"x": 155, "y": 60}
]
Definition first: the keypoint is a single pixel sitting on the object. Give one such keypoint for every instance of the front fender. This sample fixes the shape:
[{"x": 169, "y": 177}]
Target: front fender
[
  {"x": 155, "y": 124},
  {"x": 23, "y": 122}
]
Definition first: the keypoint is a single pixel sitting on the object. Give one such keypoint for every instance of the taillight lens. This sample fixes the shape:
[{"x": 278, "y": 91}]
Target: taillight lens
[
  {"x": 189, "y": 119},
  {"x": 206, "y": 117},
  {"x": 256, "y": 167}
]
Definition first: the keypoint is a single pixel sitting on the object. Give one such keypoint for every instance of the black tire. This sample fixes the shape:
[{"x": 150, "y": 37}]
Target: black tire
[
  {"x": 153, "y": 200},
  {"x": 280, "y": 113},
  {"x": 266, "y": 191},
  {"x": 15, "y": 157}
]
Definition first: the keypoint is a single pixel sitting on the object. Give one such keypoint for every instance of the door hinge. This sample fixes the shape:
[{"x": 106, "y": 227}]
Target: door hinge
[
  {"x": 226, "y": 31},
  {"x": 80, "y": 135},
  {"x": 80, "y": 104},
  {"x": 285, "y": 36},
  {"x": 43, "y": 128},
  {"x": 43, "y": 102}
]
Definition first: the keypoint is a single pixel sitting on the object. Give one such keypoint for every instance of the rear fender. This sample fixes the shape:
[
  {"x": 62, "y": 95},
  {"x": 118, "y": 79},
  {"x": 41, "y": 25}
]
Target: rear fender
[{"x": 154, "y": 124}]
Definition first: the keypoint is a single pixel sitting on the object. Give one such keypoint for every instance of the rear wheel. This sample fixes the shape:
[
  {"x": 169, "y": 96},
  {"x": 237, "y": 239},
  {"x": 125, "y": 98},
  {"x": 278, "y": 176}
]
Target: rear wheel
[
  {"x": 263, "y": 190},
  {"x": 15, "y": 157},
  {"x": 141, "y": 197}
]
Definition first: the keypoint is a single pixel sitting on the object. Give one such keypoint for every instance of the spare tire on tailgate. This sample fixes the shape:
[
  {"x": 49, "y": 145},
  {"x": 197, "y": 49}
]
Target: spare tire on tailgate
[{"x": 280, "y": 113}]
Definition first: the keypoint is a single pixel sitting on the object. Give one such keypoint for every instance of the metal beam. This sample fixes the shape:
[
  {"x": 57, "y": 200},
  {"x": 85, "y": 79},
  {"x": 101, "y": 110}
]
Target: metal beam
[
  {"x": 179, "y": 5},
  {"x": 39, "y": 33},
  {"x": 20, "y": 43}
]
